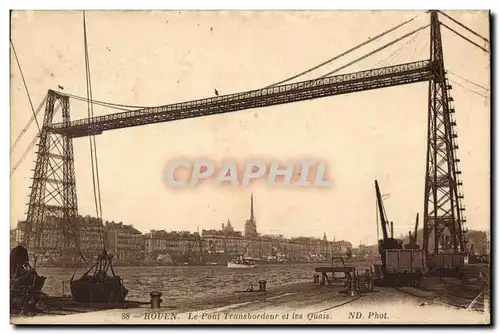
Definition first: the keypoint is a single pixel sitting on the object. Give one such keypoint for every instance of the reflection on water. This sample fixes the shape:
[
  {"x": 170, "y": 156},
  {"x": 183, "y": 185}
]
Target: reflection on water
[{"x": 186, "y": 282}]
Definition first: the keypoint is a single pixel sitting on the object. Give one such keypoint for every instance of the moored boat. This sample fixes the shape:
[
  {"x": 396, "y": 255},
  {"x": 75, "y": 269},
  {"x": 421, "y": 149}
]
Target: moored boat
[
  {"x": 241, "y": 263},
  {"x": 25, "y": 283},
  {"x": 22, "y": 275}
]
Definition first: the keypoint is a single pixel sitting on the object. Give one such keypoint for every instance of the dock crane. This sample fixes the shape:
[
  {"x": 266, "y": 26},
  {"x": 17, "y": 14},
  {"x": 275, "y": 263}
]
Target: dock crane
[
  {"x": 400, "y": 266},
  {"x": 386, "y": 242}
]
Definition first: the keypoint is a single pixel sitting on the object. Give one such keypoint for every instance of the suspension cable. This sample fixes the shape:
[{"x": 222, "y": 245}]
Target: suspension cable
[
  {"x": 470, "y": 90},
  {"x": 93, "y": 146},
  {"x": 397, "y": 52},
  {"x": 23, "y": 156},
  {"x": 465, "y": 27},
  {"x": 25, "y": 85},
  {"x": 112, "y": 105},
  {"x": 364, "y": 56},
  {"x": 467, "y": 39},
  {"x": 124, "y": 106},
  {"x": 89, "y": 111},
  {"x": 415, "y": 49},
  {"x": 374, "y": 51},
  {"x": 103, "y": 103},
  {"x": 26, "y": 127},
  {"x": 343, "y": 53},
  {"x": 32, "y": 143},
  {"x": 469, "y": 81}
]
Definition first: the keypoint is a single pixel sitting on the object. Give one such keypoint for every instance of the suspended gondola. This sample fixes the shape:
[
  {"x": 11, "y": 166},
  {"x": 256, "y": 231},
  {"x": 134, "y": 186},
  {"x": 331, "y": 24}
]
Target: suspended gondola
[{"x": 99, "y": 284}]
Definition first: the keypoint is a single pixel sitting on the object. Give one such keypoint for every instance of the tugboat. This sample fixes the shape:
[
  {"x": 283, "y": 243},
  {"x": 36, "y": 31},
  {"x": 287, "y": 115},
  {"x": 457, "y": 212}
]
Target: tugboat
[
  {"x": 241, "y": 262},
  {"x": 99, "y": 284}
]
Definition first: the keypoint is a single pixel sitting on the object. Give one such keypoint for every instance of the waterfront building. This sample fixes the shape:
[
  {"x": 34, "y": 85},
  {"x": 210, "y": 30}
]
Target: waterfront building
[
  {"x": 60, "y": 239},
  {"x": 180, "y": 246},
  {"x": 90, "y": 235},
  {"x": 342, "y": 247},
  {"x": 128, "y": 245},
  {"x": 226, "y": 243},
  {"x": 124, "y": 241}
]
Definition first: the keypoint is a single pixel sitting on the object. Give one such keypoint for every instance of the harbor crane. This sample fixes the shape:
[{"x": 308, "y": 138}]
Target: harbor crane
[{"x": 387, "y": 242}]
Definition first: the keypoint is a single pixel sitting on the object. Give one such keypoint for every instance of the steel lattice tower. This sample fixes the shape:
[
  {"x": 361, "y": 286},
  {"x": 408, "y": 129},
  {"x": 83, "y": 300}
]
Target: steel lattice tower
[
  {"x": 53, "y": 193},
  {"x": 442, "y": 207}
]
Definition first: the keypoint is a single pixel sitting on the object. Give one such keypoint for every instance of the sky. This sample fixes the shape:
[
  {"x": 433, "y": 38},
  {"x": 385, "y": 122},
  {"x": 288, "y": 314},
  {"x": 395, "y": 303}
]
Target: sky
[{"x": 152, "y": 58}]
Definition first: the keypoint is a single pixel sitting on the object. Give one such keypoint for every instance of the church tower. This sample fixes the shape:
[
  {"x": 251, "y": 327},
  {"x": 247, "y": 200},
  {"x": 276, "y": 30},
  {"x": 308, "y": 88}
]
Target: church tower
[{"x": 250, "y": 225}]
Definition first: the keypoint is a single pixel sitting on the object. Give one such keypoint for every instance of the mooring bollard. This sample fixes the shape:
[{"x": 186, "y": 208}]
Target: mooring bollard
[
  {"x": 351, "y": 290},
  {"x": 316, "y": 278},
  {"x": 262, "y": 285},
  {"x": 155, "y": 299}
]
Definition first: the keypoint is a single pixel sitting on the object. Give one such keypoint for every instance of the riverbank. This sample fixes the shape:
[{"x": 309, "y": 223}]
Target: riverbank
[{"x": 163, "y": 264}]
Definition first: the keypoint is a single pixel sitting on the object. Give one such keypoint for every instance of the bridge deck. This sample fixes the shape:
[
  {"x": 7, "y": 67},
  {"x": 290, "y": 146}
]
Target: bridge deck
[{"x": 301, "y": 91}]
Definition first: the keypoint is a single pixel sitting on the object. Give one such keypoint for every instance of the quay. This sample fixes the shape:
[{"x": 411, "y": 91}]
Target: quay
[{"x": 300, "y": 303}]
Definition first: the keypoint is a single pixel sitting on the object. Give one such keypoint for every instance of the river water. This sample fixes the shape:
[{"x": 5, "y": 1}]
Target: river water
[{"x": 184, "y": 282}]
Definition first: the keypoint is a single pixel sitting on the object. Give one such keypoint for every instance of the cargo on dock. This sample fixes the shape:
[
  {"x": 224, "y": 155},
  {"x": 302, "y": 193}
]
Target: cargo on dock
[
  {"x": 446, "y": 261},
  {"x": 356, "y": 279},
  {"x": 403, "y": 267}
]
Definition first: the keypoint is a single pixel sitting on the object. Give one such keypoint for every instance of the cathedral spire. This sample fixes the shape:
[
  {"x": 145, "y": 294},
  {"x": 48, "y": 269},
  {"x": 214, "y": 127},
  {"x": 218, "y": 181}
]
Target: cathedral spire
[
  {"x": 252, "y": 218},
  {"x": 250, "y": 225}
]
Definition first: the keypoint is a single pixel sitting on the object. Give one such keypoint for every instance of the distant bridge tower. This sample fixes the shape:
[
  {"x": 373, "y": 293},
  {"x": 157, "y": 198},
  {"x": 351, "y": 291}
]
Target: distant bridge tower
[{"x": 442, "y": 206}]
